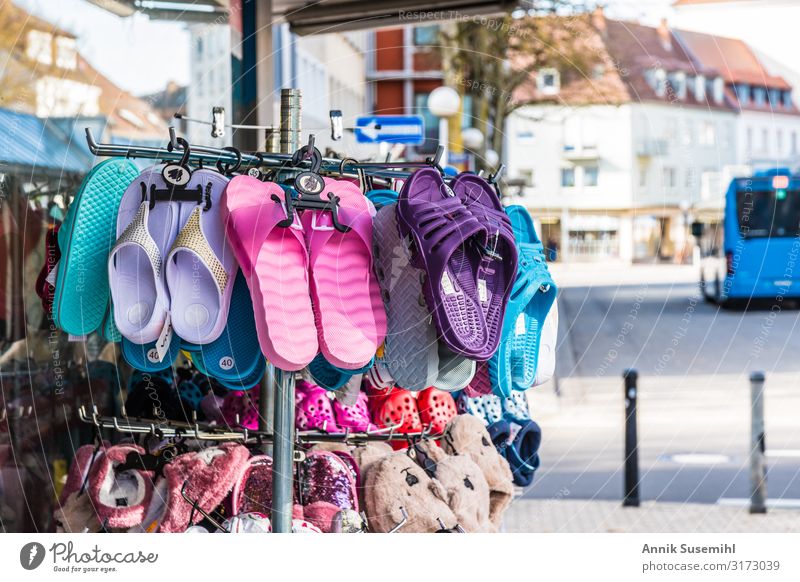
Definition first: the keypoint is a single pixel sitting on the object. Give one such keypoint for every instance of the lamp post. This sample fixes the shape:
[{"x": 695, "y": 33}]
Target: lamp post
[{"x": 444, "y": 102}]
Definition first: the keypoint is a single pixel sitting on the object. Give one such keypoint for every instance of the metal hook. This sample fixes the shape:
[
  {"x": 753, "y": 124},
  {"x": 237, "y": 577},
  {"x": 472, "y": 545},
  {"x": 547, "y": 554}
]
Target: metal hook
[{"x": 397, "y": 527}]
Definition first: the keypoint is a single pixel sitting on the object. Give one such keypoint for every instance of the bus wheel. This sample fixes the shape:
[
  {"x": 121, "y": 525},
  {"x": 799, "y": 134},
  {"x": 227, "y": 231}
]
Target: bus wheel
[{"x": 704, "y": 289}]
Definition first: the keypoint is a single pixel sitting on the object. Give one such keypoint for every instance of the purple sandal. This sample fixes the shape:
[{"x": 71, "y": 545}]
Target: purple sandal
[
  {"x": 498, "y": 269},
  {"x": 447, "y": 240}
]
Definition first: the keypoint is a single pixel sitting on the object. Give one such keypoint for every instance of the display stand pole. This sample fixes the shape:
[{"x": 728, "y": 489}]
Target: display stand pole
[
  {"x": 283, "y": 452},
  {"x": 266, "y": 407}
]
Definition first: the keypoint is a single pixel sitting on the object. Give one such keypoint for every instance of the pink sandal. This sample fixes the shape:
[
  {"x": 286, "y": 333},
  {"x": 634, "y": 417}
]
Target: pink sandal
[
  {"x": 355, "y": 417},
  {"x": 274, "y": 260},
  {"x": 346, "y": 297},
  {"x": 313, "y": 408}
]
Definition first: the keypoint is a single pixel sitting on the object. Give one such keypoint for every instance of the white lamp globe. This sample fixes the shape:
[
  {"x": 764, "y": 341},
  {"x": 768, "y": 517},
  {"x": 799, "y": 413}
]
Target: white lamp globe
[
  {"x": 492, "y": 158},
  {"x": 472, "y": 138},
  {"x": 444, "y": 102}
]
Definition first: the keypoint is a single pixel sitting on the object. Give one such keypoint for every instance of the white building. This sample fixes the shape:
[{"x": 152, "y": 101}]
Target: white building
[{"x": 613, "y": 165}]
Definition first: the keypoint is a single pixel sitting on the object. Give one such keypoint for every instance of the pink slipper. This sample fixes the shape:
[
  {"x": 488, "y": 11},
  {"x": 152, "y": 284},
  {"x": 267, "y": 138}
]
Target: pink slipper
[
  {"x": 355, "y": 417},
  {"x": 209, "y": 476},
  {"x": 349, "y": 311},
  {"x": 78, "y": 475},
  {"x": 252, "y": 492},
  {"x": 274, "y": 260},
  {"x": 313, "y": 408},
  {"x": 120, "y": 498},
  {"x": 327, "y": 486}
]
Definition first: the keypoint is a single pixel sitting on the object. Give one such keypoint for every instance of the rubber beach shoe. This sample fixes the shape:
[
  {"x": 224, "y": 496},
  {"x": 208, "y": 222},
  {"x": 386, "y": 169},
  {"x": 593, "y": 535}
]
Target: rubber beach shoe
[
  {"x": 514, "y": 365},
  {"x": 331, "y": 377},
  {"x": 85, "y": 238},
  {"x": 313, "y": 408},
  {"x": 446, "y": 241},
  {"x": 498, "y": 266},
  {"x": 200, "y": 267},
  {"x": 274, "y": 261},
  {"x": 522, "y": 453},
  {"x": 349, "y": 314},
  {"x": 135, "y": 271}
]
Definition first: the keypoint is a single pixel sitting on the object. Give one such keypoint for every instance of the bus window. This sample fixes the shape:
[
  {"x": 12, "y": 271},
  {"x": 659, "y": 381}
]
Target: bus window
[{"x": 765, "y": 214}]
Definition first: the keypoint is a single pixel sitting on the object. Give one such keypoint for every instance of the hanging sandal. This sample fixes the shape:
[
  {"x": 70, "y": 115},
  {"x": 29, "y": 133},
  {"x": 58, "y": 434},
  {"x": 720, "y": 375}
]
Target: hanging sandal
[
  {"x": 351, "y": 321},
  {"x": 200, "y": 266},
  {"x": 522, "y": 453},
  {"x": 514, "y": 365},
  {"x": 272, "y": 255},
  {"x": 120, "y": 498},
  {"x": 138, "y": 292},
  {"x": 498, "y": 266},
  {"x": 313, "y": 408},
  {"x": 85, "y": 238},
  {"x": 446, "y": 241},
  {"x": 436, "y": 409}
]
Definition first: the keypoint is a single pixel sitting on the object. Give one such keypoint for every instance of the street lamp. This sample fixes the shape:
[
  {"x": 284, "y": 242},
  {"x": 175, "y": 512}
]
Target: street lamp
[
  {"x": 472, "y": 138},
  {"x": 444, "y": 102}
]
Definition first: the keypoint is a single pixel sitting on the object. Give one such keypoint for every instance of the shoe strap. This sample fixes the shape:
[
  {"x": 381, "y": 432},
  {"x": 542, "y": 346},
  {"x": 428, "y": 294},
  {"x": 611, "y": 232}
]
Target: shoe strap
[
  {"x": 192, "y": 239},
  {"x": 137, "y": 233}
]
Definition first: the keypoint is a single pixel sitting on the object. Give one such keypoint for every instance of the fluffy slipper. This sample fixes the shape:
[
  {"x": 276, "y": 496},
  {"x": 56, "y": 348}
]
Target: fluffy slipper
[
  {"x": 499, "y": 264},
  {"x": 78, "y": 475},
  {"x": 466, "y": 435},
  {"x": 76, "y": 515},
  {"x": 523, "y": 453},
  {"x": 200, "y": 266},
  {"x": 120, "y": 498},
  {"x": 514, "y": 365},
  {"x": 274, "y": 261},
  {"x": 86, "y": 238},
  {"x": 351, "y": 322},
  {"x": 135, "y": 274},
  {"x": 411, "y": 349},
  {"x": 447, "y": 243},
  {"x": 396, "y": 483},
  {"x": 209, "y": 476}
]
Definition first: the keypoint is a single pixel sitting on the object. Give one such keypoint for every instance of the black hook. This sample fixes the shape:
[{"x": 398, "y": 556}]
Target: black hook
[{"x": 226, "y": 168}]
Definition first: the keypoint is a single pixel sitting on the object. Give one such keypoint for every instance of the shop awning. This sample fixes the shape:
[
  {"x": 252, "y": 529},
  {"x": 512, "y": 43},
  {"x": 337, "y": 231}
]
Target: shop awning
[
  {"x": 30, "y": 144},
  {"x": 323, "y": 16}
]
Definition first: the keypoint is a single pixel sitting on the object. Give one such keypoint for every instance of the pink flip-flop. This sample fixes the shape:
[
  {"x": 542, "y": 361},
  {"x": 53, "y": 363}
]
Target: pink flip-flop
[
  {"x": 274, "y": 260},
  {"x": 349, "y": 311}
]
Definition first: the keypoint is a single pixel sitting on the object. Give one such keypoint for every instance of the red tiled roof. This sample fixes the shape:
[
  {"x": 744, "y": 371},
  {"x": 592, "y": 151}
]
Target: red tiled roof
[{"x": 734, "y": 60}]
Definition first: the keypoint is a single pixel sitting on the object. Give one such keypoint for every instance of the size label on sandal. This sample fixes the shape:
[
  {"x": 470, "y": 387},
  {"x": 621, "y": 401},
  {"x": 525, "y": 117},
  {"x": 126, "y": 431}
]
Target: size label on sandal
[
  {"x": 447, "y": 284},
  {"x": 483, "y": 292},
  {"x": 227, "y": 363},
  {"x": 519, "y": 326}
]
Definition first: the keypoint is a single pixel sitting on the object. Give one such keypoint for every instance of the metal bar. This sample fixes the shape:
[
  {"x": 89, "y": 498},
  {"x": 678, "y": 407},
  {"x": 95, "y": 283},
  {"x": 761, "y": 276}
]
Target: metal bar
[
  {"x": 266, "y": 407},
  {"x": 631, "y": 498},
  {"x": 758, "y": 467},
  {"x": 283, "y": 453}
]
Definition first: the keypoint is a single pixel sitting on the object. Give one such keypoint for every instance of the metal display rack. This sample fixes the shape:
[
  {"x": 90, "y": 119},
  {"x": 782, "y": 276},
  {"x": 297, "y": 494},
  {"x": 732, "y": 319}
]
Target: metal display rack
[{"x": 277, "y": 388}]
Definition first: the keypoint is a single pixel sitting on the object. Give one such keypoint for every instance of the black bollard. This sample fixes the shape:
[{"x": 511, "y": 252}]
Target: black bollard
[
  {"x": 758, "y": 466},
  {"x": 631, "y": 498}
]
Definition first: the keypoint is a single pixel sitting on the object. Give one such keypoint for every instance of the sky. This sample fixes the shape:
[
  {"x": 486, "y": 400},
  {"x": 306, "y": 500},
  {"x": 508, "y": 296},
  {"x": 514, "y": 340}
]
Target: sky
[{"x": 142, "y": 56}]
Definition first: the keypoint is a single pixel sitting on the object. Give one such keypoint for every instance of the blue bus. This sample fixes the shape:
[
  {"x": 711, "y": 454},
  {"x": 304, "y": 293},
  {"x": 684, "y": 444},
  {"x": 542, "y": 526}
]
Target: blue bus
[{"x": 755, "y": 252}]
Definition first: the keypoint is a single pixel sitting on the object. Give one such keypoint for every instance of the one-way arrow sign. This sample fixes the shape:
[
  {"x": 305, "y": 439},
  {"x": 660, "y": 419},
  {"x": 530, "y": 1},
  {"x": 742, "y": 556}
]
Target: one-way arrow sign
[{"x": 409, "y": 129}]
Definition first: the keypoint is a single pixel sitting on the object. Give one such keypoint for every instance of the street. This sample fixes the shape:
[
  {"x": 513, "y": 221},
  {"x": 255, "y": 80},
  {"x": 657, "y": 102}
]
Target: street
[{"x": 694, "y": 361}]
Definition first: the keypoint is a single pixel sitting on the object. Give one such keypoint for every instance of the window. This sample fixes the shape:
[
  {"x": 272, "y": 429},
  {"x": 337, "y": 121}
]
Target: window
[
  {"x": 742, "y": 93},
  {"x": 787, "y": 99},
  {"x": 707, "y": 135},
  {"x": 774, "y": 97},
  {"x": 548, "y": 81},
  {"x": 40, "y": 46},
  {"x": 431, "y": 123},
  {"x": 66, "y": 53},
  {"x": 426, "y": 35},
  {"x": 590, "y": 175},
  {"x": 719, "y": 89},
  {"x": 660, "y": 82},
  {"x": 567, "y": 177},
  {"x": 669, "y": 177},
  {"x": 764, "y": 214},
  {"x": 678, "y": 82},
  {"x": 759, "y": 96},
  {"x": 689, "y": 178},
  {"x": 700, "y": 88}
]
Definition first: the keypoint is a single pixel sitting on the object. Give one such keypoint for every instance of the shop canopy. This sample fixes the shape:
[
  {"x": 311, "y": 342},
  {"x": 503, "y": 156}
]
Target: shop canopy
[
  {"x": 307, "y": 17},
  {"x": 30, "y": 144}
]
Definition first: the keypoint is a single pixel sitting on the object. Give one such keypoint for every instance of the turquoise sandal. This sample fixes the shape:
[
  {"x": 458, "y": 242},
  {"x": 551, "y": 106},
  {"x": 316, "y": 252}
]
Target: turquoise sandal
[
  {"x": 513, "y": 366},
  {"x": 86, "y": 238}
]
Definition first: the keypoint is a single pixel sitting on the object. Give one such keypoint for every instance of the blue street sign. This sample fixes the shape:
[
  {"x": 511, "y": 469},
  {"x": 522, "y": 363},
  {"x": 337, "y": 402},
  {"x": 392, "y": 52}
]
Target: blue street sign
[{"x": 409, "y": 129}]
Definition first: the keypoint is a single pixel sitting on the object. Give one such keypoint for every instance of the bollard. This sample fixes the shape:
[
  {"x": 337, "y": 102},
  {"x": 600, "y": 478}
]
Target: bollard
[
  {"x": 631, "y": 498},
  {"x": 758, "y": 467}
]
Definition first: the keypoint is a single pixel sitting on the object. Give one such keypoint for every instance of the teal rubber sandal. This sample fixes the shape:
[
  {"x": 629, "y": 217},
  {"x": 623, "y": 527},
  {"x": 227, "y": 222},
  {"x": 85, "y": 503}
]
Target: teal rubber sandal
[
  {"x": 86, "y": 238},
  {"x": 513, "y": 366}
]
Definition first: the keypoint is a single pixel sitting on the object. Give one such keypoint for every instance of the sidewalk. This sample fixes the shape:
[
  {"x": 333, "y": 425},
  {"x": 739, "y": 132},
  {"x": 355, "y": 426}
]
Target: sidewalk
[{"x": 585, "y": 516}]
